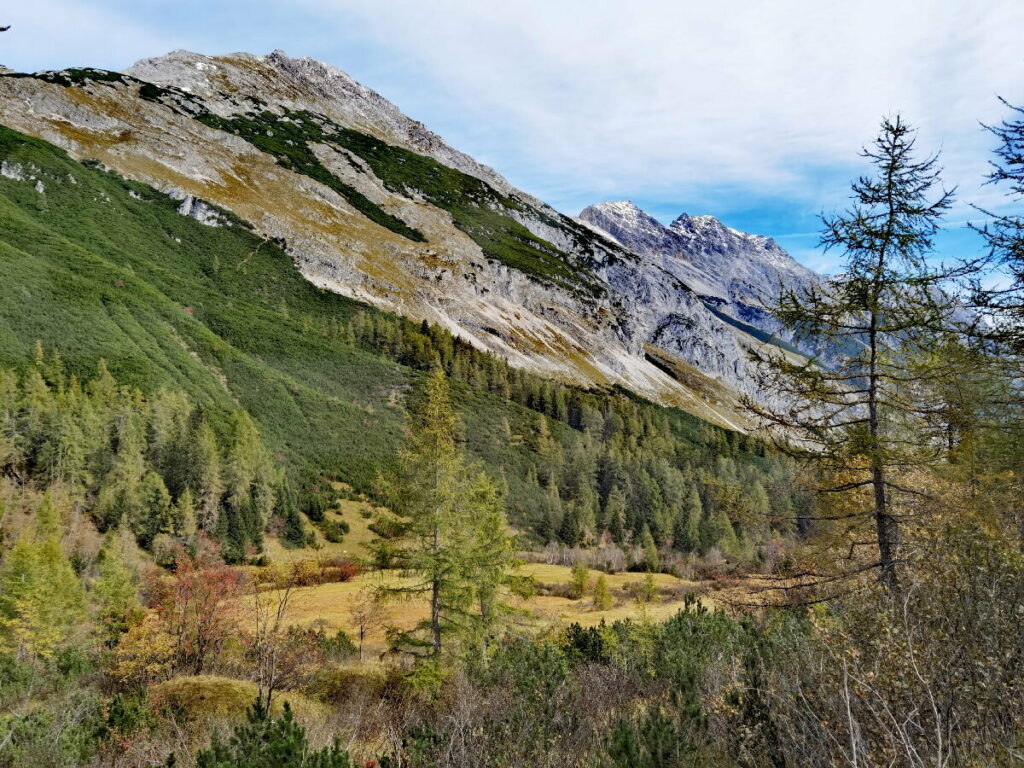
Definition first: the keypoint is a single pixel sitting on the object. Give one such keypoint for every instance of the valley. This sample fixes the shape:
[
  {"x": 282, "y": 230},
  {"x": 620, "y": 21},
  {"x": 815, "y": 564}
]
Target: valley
[{"x": 323, "y": 445}]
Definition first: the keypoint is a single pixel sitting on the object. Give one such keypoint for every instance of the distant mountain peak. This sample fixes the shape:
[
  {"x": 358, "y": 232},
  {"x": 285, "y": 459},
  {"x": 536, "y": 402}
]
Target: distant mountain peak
[{"x": 711, "y": 257}]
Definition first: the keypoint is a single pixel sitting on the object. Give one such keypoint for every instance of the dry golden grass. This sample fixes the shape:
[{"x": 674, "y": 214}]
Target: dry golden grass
[
  {"x": 209, "y": 699},
  {"x": 354, "y": 544},
  {"x": 330, "y": 605}
]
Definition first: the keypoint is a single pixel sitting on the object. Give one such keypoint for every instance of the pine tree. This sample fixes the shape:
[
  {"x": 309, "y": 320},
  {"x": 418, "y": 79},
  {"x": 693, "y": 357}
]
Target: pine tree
[
  {"x": 293, "y": 533},
  {"x": 266, "y": 741}
]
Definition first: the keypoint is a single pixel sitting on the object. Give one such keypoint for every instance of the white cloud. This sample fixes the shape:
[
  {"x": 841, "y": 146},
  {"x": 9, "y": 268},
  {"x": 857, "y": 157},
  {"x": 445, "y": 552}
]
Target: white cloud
[
  {"x": 681, "y": 100},
  {"x": 727, "y": 106},
  {"x": 51, "y": 34}
]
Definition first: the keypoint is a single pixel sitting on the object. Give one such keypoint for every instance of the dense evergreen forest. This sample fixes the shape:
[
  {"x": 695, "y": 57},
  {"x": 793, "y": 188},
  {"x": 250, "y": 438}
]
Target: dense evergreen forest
[{"x": 181, "y": 414}]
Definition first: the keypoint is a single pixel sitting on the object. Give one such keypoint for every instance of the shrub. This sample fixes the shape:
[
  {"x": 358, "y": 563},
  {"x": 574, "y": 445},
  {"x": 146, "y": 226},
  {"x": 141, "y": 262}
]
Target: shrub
[
  {"x": 266, "y": 741},
  {"x": 207, "y": 699},
  {"x": 337, "y": 569}
]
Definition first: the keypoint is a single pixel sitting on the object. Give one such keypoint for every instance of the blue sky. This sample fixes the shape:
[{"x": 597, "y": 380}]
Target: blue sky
[{"x": 751, "y": 111}]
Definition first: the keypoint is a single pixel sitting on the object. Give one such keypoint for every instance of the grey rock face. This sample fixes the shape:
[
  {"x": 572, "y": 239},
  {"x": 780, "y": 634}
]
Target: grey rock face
[{"x": 737, "y": 273}]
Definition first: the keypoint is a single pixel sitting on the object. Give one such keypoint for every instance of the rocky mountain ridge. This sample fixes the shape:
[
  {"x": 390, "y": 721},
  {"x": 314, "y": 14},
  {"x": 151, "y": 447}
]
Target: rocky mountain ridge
[
  {"x": 373, "y": 205},
  {"x": 734, "y": 272}
]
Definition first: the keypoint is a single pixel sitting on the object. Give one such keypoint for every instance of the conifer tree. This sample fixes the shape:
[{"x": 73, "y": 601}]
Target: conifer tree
[
  {"x": 185, "y": 516},
  {"x": 208, "y": 478},
  {"x": 579, "y": 576},
  {"x": 114, "y": 592},
  {"x": 1003, "y": 301},
  {"x": 454, "y": 543},
  {"x": 860, "y": 419},
  {"x": 652, "y": 562},
  {"x": 41, "y": 598},
  {"x": 602, "y": 594},
  {"x": 615, "y": 514},
  {"x": 153, "y": 514},
  {"x": 686, "y": 535},
  {"x": 266, "y": 741},
  {"x": 293, "y": 534}
]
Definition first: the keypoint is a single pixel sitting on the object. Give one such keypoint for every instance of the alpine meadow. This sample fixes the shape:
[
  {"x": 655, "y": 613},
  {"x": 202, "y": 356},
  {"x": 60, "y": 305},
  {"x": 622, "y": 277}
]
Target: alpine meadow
[{"x": 323, "y": 445}]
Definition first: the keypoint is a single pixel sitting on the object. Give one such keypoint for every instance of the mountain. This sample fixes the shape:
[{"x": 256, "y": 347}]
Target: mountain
[
  {"x": 371, "y": 205},
  {"x": 735, "y": 273}
]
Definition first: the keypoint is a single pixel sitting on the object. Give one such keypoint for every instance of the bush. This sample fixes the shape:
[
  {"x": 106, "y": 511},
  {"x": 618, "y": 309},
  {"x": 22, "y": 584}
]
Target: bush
[
  {"x": 266, "y": 741},
  {"x": 333, "y": 530},
  {"x": 337, "y": 569},
  {"x": 387, "y": 527},
  {"x": 209, "y": 699}
]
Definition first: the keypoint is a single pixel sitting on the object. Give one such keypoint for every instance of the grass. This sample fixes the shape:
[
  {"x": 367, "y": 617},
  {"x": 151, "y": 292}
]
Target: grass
[
  {"x": 211, "y": 700},
  {"x": 330, "y": 604},
  {"x": 353, "y": 545},
  {"x": 288, "y": 142}
]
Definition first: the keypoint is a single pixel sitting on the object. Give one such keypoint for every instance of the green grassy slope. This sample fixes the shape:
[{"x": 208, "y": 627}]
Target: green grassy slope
[{"x": 98, "y": 267}]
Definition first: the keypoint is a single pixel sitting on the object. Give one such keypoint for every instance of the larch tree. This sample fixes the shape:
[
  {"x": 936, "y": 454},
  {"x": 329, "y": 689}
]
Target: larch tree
[
  {"x": 1004, "y": 233},
  {"x": 42, "y": 601},
  {"x": 686, "y": 535},
  {"x": 861, "y": 415},
  {"x": 454, "y": 543},
  {"x": 990, "y": 397}
]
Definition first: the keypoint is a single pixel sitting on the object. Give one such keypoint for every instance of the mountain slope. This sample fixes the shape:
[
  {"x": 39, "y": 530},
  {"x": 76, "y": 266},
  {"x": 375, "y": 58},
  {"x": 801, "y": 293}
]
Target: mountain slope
[
  {"x": 373, "y": 206},
  {"x": 96, "y": 267}
]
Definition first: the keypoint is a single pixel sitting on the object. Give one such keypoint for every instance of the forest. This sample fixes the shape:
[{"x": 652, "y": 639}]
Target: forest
[{"x": 194, "y": 441}]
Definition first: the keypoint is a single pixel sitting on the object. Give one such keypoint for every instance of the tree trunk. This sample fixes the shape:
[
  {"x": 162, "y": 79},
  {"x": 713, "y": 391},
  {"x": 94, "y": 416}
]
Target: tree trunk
[
  {"x": 886, "y": 528},
  {"x": 435, "y": 615}
]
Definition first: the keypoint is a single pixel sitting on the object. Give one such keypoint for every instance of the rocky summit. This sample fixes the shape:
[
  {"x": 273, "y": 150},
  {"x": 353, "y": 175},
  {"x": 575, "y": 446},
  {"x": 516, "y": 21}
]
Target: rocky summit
[{"x": 373, "y": 205}]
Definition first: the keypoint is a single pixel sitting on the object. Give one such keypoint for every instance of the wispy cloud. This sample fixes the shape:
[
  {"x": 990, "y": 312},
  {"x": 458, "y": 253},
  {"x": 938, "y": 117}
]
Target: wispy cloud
[
  {"x": 704, "y": 100},
  {"x": 753, "y": 111}
]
